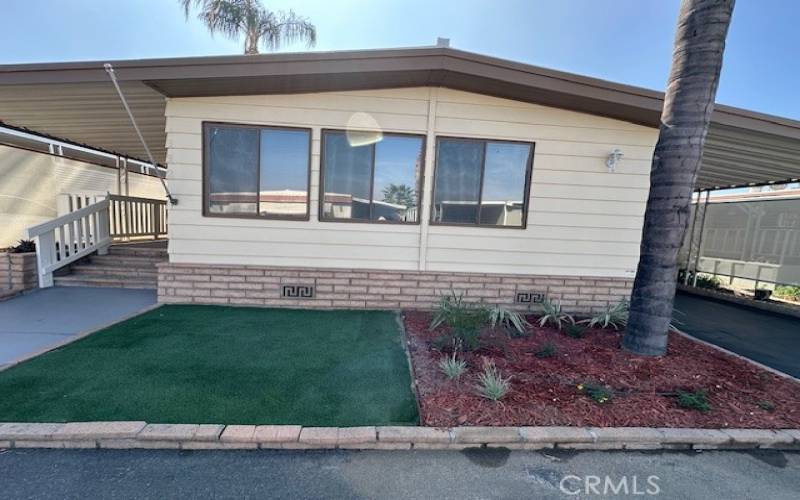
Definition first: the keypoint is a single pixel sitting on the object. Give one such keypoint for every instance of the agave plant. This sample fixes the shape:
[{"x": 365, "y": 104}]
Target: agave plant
[
  {"x": 500, "y": 316},
  {"x": 449, "y": 307},
  {"x": 452, "y": 367},
  {"x": 553, "y": 315},
  {"x": 491, "y": 383},
  {"x": 464, "y": 319},
  {"x": 615, "y": 317},
  {"x": 23, "y": 246}
]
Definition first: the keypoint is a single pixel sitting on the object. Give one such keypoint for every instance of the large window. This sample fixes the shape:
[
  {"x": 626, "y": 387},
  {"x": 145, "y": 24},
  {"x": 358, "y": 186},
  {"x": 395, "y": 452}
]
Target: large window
[
  {"x": 481, "y": 182},
  {"x": 370, "y": 177},
  {"x": 255, "y": 171}
]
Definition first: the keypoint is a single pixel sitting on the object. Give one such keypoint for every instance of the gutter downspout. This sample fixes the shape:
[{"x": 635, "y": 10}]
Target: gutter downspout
[{"x": 110, "y": 70}]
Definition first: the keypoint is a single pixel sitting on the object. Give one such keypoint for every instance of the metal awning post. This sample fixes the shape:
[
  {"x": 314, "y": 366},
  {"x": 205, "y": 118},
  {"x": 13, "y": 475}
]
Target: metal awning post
[
  {"x": 110, "y": 70},
  {"x": 700, "y": 236},
  {"x": 691, "y": 242}
]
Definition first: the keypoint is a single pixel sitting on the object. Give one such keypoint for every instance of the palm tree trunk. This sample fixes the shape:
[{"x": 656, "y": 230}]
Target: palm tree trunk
[
  {"x": 688, "y": 103},
  {"x": 251, "y": 43}
]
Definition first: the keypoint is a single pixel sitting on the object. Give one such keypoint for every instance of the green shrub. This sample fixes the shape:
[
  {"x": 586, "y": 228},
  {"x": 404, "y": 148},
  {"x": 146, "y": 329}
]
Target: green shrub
[
  {"x": 444, "y": 343},
  {"x": 449, "y": 307},
  {"x": 452, "y": 367},
  {"x": 697, "y": 400},
  {"x": 467, "y": 329},
  {"x": 790, "y": 292},
  {"x": 598, "y": 393},
  {"x": 710, "y": 282},
  {"x": 576, "y": 331},
  {"x": 766, "y": 404},
  {"x": 547, "y": 350},
  {"x": 464, "y": 319},
  {"x": 553, "y": 315},
  {"x": 491, "y": 383},
  {"x": 23, "y": 246},
  {"x": 615, "y": 316},
  {"x": 515, "y": 324}
]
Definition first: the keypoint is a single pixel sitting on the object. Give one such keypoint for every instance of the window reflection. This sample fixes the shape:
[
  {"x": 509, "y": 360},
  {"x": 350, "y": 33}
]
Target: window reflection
[
  {"x": 257, "y": 171},
  {"x": 398, "y": 164},
  {"x": 371, "y": 180},
  {"x": 503, "y": 198},
  {"x": 232, "y": 170},
  {"x": 458, "y": 178},
  {"x": 481, "y": 182},
  {"x": 284, "y": 172}
]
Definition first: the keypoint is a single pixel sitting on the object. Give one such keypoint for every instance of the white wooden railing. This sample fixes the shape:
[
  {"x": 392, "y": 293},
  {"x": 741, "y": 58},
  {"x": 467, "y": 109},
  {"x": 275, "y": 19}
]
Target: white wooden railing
[
  {"x": 132, "y": 217},
  {"x": 67, "y": 238},
  {"x": 92, "y": 228}
]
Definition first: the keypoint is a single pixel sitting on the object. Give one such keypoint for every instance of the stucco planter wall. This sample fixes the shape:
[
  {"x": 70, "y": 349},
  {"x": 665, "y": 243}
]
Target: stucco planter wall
[{"x": 17, "y": 273}]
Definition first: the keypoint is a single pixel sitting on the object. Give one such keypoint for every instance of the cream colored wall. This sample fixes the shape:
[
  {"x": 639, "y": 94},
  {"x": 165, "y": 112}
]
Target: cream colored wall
[
  {"x": 30, "y": 183},
  {"x": 582, "y": 220}
]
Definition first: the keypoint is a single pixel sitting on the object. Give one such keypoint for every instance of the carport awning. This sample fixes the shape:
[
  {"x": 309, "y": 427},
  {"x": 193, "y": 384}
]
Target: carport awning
[{"x": 76, "y": 101}]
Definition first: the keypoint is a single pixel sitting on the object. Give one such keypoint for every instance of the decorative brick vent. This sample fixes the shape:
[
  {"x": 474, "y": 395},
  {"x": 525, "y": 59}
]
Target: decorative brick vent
[
  {"x": 529, "y": 297},
  {"x": 297, "y": 291}
]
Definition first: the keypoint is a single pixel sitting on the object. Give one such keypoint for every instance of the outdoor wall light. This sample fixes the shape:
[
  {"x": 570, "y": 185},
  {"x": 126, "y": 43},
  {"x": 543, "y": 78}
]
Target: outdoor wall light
[{"x": 613, "y": 159}]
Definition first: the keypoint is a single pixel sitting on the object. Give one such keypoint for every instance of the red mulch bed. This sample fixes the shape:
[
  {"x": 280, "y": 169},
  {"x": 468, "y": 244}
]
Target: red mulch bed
[{"x": 544, "y": 390}]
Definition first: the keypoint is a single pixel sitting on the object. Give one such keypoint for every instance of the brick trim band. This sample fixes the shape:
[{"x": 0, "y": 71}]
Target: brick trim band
[{"x": 376, "y": 289}]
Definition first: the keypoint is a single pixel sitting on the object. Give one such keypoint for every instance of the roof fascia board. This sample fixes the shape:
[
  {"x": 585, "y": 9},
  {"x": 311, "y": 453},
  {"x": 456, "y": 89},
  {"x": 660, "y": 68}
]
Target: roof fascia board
[{"x": 444, "y": 66}]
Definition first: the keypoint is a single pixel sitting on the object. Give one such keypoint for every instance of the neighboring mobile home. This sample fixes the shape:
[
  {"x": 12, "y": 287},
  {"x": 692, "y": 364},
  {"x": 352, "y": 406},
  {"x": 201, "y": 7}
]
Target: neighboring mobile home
[
  {"x": 382, "y": 179},
  {"x": 36, "y": 186}
]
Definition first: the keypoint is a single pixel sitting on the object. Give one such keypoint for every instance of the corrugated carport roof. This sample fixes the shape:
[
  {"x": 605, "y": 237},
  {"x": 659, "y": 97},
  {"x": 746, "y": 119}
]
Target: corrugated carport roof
[{"x": 76, "y": 101}]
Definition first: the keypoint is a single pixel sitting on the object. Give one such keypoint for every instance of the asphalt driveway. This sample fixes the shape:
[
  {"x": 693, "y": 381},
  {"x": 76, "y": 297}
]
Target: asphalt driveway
[
  {"x": 471, "y": 474},
  {"x": 49, "y": 317},
  {"x": 769, "y": 338}
]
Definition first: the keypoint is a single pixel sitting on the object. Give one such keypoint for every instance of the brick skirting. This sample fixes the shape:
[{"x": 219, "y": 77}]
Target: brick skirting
[
  {"x": 17, "y": 273},
  {"x": 375, "y": 289}
]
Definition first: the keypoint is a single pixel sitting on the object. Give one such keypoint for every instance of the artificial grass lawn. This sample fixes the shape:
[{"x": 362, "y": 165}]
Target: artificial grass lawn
[{"x": 232, "y": 365}]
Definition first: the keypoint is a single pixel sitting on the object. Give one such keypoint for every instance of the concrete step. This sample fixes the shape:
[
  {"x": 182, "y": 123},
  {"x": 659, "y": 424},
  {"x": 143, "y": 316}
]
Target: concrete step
[
  {"x": 125, "y": 261},
  {"x": 132, "y": 251},
  {"x": 106, "y": 281},
  {"x": 148, "y": 272}
]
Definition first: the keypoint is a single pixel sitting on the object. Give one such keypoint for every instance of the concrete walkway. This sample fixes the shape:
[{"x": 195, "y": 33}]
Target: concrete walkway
[
  {"x": 769, "y": 338},
  {"x": 45, "y": 318}
]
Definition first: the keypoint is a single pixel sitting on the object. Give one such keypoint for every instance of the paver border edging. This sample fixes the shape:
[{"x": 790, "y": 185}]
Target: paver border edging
[
  {"x": 135, "y": 435},
  {"x": 71, "y": 339}
]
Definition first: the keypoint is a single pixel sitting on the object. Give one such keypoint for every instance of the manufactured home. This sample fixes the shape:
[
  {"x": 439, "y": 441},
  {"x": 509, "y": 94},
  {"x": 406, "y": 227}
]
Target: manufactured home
[{"x": 384, "y": 178}]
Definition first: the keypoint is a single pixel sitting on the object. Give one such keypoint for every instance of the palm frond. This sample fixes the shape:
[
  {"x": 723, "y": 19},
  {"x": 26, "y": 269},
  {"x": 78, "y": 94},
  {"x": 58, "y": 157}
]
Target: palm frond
[
  {"x": 286, "y": 27},
  {"x": 187, "y": 5},
  {"x": 228, "y": 17},
  {"x": 248, "y": 18}
]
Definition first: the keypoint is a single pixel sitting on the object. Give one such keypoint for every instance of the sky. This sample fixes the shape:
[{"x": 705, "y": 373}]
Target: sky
[{"x": 627, "y": 41}]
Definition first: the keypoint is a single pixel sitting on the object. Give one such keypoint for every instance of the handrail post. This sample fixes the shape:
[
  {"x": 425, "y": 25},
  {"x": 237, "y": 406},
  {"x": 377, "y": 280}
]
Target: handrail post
[
  {"x": 45, "y": 249},
  {"x": 103, "y": 230}
]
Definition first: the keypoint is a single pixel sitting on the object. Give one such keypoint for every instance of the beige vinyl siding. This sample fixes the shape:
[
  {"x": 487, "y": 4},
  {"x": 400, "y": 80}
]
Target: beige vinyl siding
[
  {"x": 582, "y": 220},
  {"x": 194, "y": 238}
]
